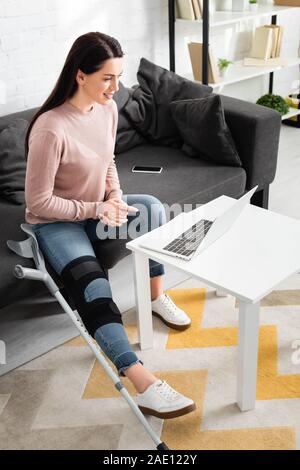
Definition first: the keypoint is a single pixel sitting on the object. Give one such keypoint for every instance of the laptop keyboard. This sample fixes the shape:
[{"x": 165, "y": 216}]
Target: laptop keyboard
[{"x": 187, "y": 243}]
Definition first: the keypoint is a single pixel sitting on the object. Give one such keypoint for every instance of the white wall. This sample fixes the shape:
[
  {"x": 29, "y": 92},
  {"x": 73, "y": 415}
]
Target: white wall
[{"x": 35, "y": 36}]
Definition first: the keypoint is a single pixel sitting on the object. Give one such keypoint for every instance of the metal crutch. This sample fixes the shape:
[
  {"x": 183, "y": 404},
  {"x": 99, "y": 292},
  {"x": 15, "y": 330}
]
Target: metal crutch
[{"x": 29, "y": 248}]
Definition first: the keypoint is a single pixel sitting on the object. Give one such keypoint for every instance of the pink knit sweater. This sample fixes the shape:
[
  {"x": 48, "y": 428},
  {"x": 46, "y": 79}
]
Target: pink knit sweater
[{"x": 71, "y": 167}]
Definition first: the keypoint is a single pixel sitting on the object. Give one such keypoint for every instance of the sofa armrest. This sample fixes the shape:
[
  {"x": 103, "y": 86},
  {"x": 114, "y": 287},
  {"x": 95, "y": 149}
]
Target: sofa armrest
[{"x": 255, "y": 130}]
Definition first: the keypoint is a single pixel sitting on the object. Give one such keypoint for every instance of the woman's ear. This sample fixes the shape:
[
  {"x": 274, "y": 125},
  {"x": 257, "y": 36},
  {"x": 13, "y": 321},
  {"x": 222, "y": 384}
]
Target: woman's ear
[{"x": 80, "y": 77}]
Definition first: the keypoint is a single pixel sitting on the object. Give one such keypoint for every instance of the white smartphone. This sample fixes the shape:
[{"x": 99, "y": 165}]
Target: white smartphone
[{"x": 146, "y": 169}]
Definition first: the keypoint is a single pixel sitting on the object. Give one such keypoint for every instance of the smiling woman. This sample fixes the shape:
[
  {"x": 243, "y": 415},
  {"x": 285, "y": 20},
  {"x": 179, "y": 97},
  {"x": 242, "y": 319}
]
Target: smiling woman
[
  {"x": 92, "y": 68},
  {"x": 72, "y": 187},
  {"x": 99, "y": 86}
]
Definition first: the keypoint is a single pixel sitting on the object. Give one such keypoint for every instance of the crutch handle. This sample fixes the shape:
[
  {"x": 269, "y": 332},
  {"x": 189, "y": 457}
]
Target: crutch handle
[
  {"x": 36, "y": 275},
  {"x": 20, "y": 272}
]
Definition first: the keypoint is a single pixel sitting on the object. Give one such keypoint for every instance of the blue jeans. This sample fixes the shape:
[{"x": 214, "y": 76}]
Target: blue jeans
[{"x": 63, "y": 242}]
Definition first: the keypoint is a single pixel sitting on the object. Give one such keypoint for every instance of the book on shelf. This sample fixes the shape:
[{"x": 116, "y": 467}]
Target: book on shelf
[
  {"x": 197, "y": 9},
  {"x": 273, "y": 62},
  {"x": 266, "y": 42},
  {"x": 185, "y": 10},
  {"x": 293, "y": 100},
  {"x": 262, "y": 43},
  {"x": 279, "y": 41},
  {"x": 188, "y": 9},
  {"x": 277, "y": 31},
  {"x": 195, "y": 51},
  {"x": 289, "y": 3}
]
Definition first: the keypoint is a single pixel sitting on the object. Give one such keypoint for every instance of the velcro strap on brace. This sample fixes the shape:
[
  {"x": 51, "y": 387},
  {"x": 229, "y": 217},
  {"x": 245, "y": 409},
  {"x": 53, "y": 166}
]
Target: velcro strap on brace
[{"x": 76, "y": 276}]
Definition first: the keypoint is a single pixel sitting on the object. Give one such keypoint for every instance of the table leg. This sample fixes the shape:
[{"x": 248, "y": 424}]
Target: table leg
[
  {"x": 247, "y": 355},
  {"x": 221, "y": 293},
  {"x": 143, "y": 300}
]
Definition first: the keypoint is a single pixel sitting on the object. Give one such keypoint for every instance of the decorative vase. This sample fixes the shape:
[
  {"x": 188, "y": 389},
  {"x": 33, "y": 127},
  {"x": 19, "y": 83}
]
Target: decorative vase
[
  {"x": 222, "y": 5},
  {"x": 223, "y": 72},
  {"x": 253, "y": 6},
  {"x": 238, "y": 5}
]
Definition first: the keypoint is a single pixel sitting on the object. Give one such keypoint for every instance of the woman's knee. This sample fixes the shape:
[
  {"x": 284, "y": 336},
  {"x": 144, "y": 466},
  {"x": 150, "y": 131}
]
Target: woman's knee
[
  {"x": 156, "y": 212},
  {"x": 152, "y": 210},
  {"x": 98, "y": 288}
]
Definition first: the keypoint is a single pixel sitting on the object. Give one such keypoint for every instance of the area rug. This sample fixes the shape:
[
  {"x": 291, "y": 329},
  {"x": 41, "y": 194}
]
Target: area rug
[{"x": 63, "y": 400}]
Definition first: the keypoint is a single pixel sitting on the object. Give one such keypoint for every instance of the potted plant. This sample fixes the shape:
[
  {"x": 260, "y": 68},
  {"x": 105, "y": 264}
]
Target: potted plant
[
  {"x": 223, "y": 66},
  {"x": 253, "y": 5},
  {"x": 275, "y": 102}
]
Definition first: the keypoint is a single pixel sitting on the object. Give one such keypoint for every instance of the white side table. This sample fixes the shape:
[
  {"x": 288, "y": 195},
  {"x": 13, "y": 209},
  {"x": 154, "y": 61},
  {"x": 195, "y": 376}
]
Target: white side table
[{"x": 260, "y": 250}]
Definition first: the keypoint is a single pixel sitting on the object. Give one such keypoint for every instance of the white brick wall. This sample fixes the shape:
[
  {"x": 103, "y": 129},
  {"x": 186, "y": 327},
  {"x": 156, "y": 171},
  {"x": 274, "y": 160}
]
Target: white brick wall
[{"x": 35, "y": 36}]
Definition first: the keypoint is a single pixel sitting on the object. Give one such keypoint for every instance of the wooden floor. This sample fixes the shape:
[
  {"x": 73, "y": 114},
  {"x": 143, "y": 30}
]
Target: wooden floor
[{"x": 29, "y": 331}]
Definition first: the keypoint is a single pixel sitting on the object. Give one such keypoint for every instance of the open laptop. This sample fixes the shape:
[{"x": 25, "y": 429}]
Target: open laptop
[{"x": 184, "y": 240}]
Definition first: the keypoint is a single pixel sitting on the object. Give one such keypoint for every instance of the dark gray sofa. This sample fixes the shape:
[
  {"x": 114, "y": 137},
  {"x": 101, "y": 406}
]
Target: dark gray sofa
[{"x": 184, "y": 179}]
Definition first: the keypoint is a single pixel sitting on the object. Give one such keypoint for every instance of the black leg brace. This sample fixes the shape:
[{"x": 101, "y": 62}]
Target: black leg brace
[{"x": 76, "y": 276}]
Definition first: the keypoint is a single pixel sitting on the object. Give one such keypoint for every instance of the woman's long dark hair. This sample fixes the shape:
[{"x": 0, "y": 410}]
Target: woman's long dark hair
[{"x": 88, "y": 53}]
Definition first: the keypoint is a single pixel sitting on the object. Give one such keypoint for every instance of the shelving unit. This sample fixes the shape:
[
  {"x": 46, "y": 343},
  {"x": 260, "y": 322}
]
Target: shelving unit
[
  {"x": 292, "y": 112},
  {"x": 222, "y": 18},
  {"x": 237, "y": 72}
]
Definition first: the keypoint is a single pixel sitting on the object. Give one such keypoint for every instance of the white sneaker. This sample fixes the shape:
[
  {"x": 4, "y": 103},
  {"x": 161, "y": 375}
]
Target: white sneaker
[
  {"x": 165, "y": 309},
  {"x": 164, "y": 402}
]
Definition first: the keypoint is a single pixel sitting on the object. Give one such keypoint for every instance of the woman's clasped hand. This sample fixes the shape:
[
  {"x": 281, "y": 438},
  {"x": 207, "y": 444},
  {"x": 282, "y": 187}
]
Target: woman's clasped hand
[{"x": 114, "y": 212}]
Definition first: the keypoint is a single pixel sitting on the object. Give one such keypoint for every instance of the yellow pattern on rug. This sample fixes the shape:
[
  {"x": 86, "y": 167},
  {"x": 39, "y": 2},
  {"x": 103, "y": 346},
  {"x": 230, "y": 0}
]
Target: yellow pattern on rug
[
  {"x": 270, "y": 385},
  {"x": 192, "y": 302},
  {"x": 185, "y": 432}
]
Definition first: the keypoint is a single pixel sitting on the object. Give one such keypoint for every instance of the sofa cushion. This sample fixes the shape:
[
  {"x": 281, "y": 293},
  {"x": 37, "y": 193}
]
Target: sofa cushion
[
  {"x": 11, "y": 288},
  {"x": 202, "y": 126},
  {"x": 7, "y": 119},
  {"x": 127, "y": 136},
  {"x": 149, "y": 111},
  {"x": 122, "y": 96},
  {"x": 183, "y": 180},
  {"x": 12, "y": 161}
]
